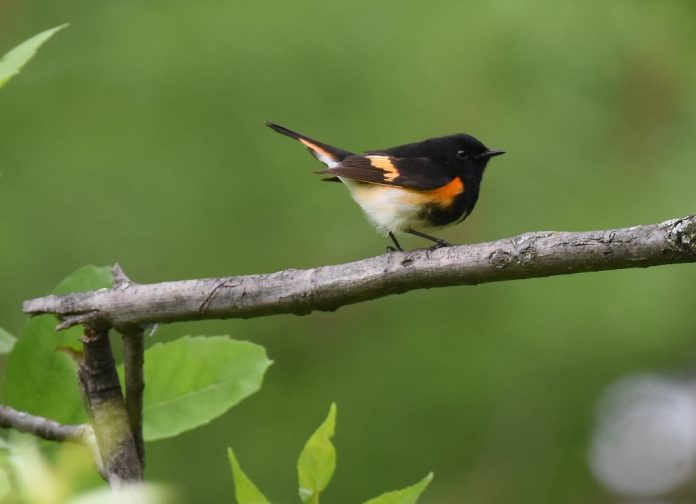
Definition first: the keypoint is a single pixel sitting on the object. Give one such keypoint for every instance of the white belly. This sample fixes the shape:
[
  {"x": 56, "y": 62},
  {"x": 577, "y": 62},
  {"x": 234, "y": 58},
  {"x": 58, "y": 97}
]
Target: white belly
[{"x": 388, "y": 208}]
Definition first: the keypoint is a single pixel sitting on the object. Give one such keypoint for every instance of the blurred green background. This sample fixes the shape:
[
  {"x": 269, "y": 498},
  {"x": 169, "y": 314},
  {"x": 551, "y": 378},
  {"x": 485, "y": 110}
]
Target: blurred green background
[{"x": 137, "y": 136}]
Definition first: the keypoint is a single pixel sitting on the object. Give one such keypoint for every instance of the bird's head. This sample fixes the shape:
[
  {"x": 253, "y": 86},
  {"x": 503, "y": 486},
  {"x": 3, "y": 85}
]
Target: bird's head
[{"x": 467, "y": 154}]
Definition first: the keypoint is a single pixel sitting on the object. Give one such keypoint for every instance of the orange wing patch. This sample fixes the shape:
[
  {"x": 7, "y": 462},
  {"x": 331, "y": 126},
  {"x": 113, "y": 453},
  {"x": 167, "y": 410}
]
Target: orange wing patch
[{"x": 384, "y": 164}]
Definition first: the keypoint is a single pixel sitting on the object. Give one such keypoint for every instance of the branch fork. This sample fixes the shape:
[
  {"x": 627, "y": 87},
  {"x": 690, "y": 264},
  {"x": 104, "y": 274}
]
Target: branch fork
[
  {"x": 114, "y": 434},
  {"x": 128, "y": 307}
]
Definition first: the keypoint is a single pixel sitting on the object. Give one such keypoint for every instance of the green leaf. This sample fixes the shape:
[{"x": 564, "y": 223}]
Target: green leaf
[
  {"x": 13, "y": 61},
  {"x": 192, "y": 380},
  {"x": 85, "y": 279},
  {"x": 40, "y": 377},
  {"x": 317, "y": 462},
  {"x": 244, "y": 489},
  {"x": 7, "y": 341},
  {"x": 408, "y": 495}
]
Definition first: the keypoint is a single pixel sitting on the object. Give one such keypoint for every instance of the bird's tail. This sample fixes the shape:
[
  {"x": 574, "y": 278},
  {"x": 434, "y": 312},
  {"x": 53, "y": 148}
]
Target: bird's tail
[{"x": 327, "y": 154}]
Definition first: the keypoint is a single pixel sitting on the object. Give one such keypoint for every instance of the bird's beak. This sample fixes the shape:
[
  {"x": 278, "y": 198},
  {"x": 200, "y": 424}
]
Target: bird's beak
[{"x": 492, "y": 153}]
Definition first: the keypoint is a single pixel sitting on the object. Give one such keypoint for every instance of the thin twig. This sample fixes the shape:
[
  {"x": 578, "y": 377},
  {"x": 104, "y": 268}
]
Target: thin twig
[
  {"x": 133, "y": 361},
  {"x": 42, "y": 427},
  {"x": 102, "y": 392},
  {"x": 327, "y": 288}
]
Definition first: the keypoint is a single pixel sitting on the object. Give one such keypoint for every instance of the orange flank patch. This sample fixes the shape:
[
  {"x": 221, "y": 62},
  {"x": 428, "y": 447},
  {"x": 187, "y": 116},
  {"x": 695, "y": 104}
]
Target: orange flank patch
[
  {"x": 384, "y": 164},
  {"x": 447, "y": 192},
  {"x": 315, "y": 148},
  {"x": 442, "y": 196}
]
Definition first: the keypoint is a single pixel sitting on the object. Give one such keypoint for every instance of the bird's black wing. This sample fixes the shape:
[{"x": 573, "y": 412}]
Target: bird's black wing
[{"x": 415, "y": 173}]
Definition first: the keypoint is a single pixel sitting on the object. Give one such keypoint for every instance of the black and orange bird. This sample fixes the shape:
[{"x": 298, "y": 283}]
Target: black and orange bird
[{"x": 403, "y": 189}]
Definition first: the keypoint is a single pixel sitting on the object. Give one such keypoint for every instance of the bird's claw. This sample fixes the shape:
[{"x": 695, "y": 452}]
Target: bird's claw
[{"x": 439, "y": 244}]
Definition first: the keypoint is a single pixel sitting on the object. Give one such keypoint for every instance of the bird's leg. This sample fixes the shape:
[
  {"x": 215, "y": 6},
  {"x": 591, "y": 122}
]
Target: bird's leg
[
  {"x": 439, "y": 242},
  {"x": 396, "y": 243}
]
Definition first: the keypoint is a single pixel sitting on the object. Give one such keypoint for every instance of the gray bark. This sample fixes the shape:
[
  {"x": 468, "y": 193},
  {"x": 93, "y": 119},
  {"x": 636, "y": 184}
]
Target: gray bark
[{"x": 42, "y": 427}]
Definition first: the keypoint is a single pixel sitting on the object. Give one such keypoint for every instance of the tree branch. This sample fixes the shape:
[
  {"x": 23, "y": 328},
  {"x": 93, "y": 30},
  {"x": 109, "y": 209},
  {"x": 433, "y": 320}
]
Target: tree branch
[
  {"x": 102, "y": 394},
  {"x": 42, "y": 427},
  {"x": 327, "y": 288}
]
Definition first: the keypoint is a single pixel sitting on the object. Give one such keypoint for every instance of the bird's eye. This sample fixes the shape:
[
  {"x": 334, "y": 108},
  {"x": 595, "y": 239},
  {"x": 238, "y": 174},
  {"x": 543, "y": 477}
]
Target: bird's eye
[{"x": 462, "y": 154}]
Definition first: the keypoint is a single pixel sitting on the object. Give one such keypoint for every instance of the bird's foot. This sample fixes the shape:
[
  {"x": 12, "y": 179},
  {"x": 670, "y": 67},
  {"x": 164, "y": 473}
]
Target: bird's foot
[
  {"x": 397, "y": 245},
  {"x": 439, "y": 244}
]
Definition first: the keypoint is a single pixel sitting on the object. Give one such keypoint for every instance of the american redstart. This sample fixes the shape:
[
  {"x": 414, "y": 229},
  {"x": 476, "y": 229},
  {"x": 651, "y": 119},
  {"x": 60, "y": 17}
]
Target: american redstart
[{"x": 433, "y": 183}]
